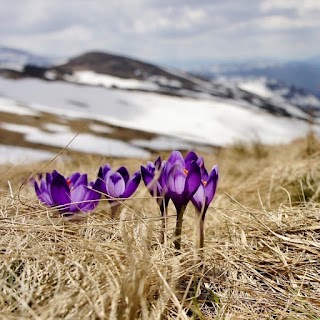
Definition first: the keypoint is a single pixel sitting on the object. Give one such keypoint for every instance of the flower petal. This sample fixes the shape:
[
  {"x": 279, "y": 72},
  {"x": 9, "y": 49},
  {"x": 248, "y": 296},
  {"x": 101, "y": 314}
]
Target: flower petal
[
  {"x": 147, "y": 177},
  {"x": 39, "y": 193},
  {"x": 115, "y": 184},
  {"x": 82, "y": 181},
  {"x": 78, "y": 193},
  {"x": 105, "y": 170},
  {"x": 125, "y": 174},
  {"x": 73, "y": 179},
  {"x": 199, "y": 198},
  {"x": 150, "y": 167},
  {"x": 191, "y": 156},
  {"x": 177, "y": 179},
  {"x": 92, "y": 197},
  {"x": 211, "y": 187},
  {"x": 45, "y": 190},
  {"x": 132, "y": 185},
  {"x": 176, "y": 157},
  {"x": 101, "y": 183},
  {"x": 193, "y": 179},
  {"x": 157, "y": 163},
  {"x": 60, "y": 191}
]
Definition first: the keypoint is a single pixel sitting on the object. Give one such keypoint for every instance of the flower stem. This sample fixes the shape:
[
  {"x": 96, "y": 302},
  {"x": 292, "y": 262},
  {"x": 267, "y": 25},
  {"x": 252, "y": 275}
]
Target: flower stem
[
  {"x": 163, "y": 209},
  {"x": 177, "y": 240},
  {"x": 201, "y": 233},
  {"x": 164, "y": 227},
  {"x": 114, "y": 210}
]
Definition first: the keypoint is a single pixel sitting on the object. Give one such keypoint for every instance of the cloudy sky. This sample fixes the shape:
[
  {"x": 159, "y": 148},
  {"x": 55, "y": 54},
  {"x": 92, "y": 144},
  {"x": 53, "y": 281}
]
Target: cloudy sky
[{"x": 173, "y": 32}]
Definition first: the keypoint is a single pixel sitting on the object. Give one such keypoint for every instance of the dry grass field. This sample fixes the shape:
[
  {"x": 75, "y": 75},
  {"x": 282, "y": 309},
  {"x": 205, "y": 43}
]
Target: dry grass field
[{"x": 261, "y": 258}]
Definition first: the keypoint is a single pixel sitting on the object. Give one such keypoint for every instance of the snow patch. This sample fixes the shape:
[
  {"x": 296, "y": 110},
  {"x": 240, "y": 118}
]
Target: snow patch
[
  {"x": 96, "y": 79},
  {"x": 15, "y": 155},
  {"x": 87, "y": 143},
  {"x": 10, "y": 106},
  {"x": 257, "y": 87},
  {"x": 162, "y": 143},
  {"x": 100, "y": 129},
  {"x": 53, "y": 127}
]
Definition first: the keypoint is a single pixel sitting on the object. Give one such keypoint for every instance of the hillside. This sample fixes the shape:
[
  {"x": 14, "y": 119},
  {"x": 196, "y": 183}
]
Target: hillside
[{"x": 113, "y": 105}]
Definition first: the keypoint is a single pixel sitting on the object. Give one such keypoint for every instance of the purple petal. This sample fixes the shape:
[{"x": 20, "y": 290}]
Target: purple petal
[
  {"x": 125, "y": 174},
  {"x": 193, "y": 179},
  {"x": 176, "y": 157},
  {"x": 45, "y": 185},
  {"x": 40, "y": 195},
  {"x": 48, "y": 178},
  {"x": 147, "y": 176},
  {"x": 105, "y": 170},
  {"x": 177, "y": 182},
  {"x": 200, "y": 162},
  {"x": 92, "y": 197},
  {"x": 115, "y": 184},
  {"x": 191, "y": 156},
  {"x": 199, "y": 198},
  {"x": 132, "y": 185},
  {"x": 45, "y": 182},
  {"x": 150, "y": 167},
  {"x": 60, "y": 191},
  {"x": 78, "y": 193},
  {"x": 151, "y": 183},
  {"x": 211, "y": 185},
  {"x": 55, "y": 173},
  {"x": 73, "y": 179},
  {"x": 163, "y": 178},
  {"x": 100, "y": 183},
  {"x": 158, "y": 163},
  {"x": 82, "y": 180},
  {"x": 77, "y": 197}
]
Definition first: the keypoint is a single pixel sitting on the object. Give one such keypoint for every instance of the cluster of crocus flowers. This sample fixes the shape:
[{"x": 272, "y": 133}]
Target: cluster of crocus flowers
[
  {"x": 179, "y": 179},
  {"x": 182, "y": 179},
  {"x": 69, "y": 195}
]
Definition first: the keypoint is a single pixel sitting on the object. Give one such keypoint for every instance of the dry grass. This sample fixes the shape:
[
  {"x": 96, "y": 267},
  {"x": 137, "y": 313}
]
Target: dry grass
[{"x": 261, "y": 259}]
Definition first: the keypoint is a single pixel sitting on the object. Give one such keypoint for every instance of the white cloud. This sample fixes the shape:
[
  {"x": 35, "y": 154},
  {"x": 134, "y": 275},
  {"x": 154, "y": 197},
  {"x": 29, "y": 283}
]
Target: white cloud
[
  {"x": 167, "y": 20},
  {"x": 278, "y": 22},
  {"x": 296, "y": 5},
  {"x": 162, "y": 31}
]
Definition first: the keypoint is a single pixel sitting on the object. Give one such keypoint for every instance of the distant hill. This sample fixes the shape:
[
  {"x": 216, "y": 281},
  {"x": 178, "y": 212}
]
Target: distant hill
[
  {"x": 304, "y": 74},
  {"x": 16, "y": 59}
]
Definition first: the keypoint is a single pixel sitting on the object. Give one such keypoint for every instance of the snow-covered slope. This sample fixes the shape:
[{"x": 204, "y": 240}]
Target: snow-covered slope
[
  {"x": 301, "y": 74},
  {"x": 176, "y": 109},
  {"x": 215, "y": 122},
  {"x": 275, "y": 91}
]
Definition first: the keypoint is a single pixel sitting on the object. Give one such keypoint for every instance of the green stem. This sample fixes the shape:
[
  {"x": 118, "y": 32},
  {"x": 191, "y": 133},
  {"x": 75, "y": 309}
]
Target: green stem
[
  {"x": 114, "y": 210},
  {"x": 164, "y": 227},
  {"x": 178, "y": 232},
  {"x": 201, "y": 233}
]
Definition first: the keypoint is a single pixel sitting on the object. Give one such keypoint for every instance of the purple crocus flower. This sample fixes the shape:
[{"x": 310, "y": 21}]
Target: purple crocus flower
[
  {"x": 117, "y": 184},
  {"x": 183, "y": 178},
  {"x": 69, "y": 195},
  {"x": 153, "y": 177},
  {"x": 203, "y": 197},
  {"x": 206, "y": 191}
]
